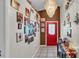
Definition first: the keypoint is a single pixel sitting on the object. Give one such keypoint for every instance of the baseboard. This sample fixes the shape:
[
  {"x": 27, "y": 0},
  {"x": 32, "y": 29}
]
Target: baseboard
[
  {"x": 42, "y": 45},
  {"x": 35, "y": 52}
]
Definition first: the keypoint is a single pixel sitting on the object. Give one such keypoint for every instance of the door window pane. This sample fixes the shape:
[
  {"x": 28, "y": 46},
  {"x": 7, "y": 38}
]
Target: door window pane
[{"x": 51, "y": 29}]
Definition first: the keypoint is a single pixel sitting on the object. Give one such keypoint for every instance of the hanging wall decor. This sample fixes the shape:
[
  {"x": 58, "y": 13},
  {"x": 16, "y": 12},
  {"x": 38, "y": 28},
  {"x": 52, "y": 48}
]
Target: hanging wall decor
[
  {"x": 68, "y": 18},
  {"x": 19, "y": 25},
  {"x": 19, "y": 17},
  {"x": 26, "y": 38},
  {"x": 42, "y": 24},
  {"x": 25, "y": 20},
  {"x": 64, "y": 23},
  {"x": 42, "y": 19},
  {"x": 68, "y": 4},
  {"x": 69, "y": 33},
  {"x": 15, "y": 4},
  {"x": 77, "y": 18},
  {"x": 18, "y": 37},
  {"x": 31, "y": 39},
  {"x": 69, "y": 29},
  {"x": 27, "y": 12},
  {"x": 24, "y": 29}
]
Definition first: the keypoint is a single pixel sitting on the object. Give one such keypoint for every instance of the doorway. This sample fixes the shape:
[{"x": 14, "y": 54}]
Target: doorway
[{"x": 51, "y": 33}]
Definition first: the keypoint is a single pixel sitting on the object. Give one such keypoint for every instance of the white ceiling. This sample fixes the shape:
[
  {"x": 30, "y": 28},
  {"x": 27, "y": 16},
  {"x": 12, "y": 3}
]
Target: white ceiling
[{"x": 39, "y": 4}]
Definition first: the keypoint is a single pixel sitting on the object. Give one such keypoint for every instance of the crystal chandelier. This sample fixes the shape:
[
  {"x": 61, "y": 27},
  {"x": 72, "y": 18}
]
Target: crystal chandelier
[{"x": 50, "y": 6}]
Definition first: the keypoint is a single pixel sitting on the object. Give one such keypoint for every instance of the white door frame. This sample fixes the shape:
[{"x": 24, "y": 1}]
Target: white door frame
[{"x": 46, "y": 31}]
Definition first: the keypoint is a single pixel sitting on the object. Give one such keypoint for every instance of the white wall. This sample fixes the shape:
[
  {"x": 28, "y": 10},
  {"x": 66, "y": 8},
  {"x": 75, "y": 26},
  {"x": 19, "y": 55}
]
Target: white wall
[
  {"x": 2, "y": 24},
  {"x": 74, "y": 8},
  {"x": 20, "y": 49}
]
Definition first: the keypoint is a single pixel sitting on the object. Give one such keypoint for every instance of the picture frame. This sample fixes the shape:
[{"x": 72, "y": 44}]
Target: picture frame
[
  {"x": 31, "y": 39},
  {"x": 18, "y": 37},
  {"x": 15, "y": 4},
  {"x": 68, "y": 17},
  {"x": 25, "y": 20},
  {"x": 42, "y": 25},
  {"x": 42, "y": 19},
  {"x": 68, "y": 4},
  {"x": 35, "y": 23},
  {"x": 69, "y": 33},
  {"x": 42, "y": 30},
  {"x": 19, "y": 17},
  {"x": 34, "y": 34},
  {"x": 19, "y": 25},
  {"x": 26, "y": 38},
  {"x": 77, "y": 18},
  {"x": 27, "y": 12},
  {"x": 64, "y": 23}
]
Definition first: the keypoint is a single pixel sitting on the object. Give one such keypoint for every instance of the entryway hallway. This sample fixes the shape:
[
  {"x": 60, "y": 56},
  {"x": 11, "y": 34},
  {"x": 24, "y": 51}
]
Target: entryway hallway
[
  {"x": 46, "y": 52},
  {"x": 39, "y": 28}
]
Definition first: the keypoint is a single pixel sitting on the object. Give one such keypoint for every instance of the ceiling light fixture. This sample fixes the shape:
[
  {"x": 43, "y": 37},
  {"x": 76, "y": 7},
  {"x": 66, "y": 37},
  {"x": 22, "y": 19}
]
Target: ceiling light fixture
[{"x": 50, "y": 6}]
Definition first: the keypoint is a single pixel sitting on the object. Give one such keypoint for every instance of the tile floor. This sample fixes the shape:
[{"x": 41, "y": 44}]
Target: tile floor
[{"x": 47, "y": 52}]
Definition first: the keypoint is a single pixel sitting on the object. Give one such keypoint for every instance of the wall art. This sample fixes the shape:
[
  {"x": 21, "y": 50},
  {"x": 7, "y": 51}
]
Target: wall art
[
  {"x": 68, "y": 17},
  {"x": 42, "y": 19},
  {"x": 19, "y": 25},
  {"x": 69, "y": 33},
  {"x": 77, "y": 18},
  {"x": 18, "y": 37},
  {"x": 15, "y": 4},
  {"x": 42, "y": 29},
  {"x": 27, "y": 12},
  {"x": 31, "y": 39},
  {"x": 19, "y": 17},
  {"x": 68, "y": 4},
  {"x": 64, "y": 23},
  {"x": 42, "y": 24},
  {"x": 35, "y": 23},
  {"x": 30, "y": 29},
  {"x": 25, "y": 20},
  {"x": 26, "y": 38}
]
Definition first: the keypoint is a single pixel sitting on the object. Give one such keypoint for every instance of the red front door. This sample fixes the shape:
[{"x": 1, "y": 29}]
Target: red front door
[{"x": 51, "y": 33}]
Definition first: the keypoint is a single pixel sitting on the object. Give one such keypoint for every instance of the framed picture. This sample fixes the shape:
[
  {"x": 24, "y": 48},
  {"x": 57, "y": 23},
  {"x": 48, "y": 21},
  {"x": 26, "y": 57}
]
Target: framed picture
[
  {"x": 19, "y": 25},
  {"x": 26, "y": 38},
  {"x": 64, "y": 23},
  {"x": 18, "y": 37},
  {"x": 15, "y": 4},
  {"x": 35, "y": 23},
  {"x": 31, "y": 39},
  {"x": 68, "y": 4},
  {"x": 28, "y": 21},
  {"x": 35, "y": 29},
  {"x": 77, "y": 18},
  {"x": 25, "y": 20},
  {"x": 42, "y": 29},
  {"x": 69, "y": 33},
  {"x": 42, "y": 19},
  {"x": 34, "y": 34},
  {"x": 19, "y": 17},
  {"x": 70, "y": 25},
  {"x": 68, "y": 17},
  {"x": 27, "y": 12},
  {"x": 42, "y": 24}
]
